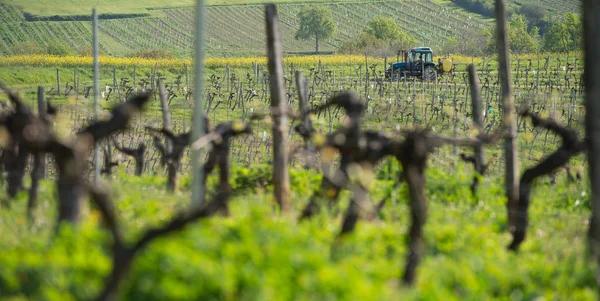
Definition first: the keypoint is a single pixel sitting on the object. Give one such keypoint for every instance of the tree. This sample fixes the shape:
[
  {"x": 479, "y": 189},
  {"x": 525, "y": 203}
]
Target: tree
[
  {"x": 315, "y": 22},
  {"x": 483, "y": 7},
  {"x": 384, "y": 28},
  {"x": 565, "y": 35},
  {"x": 519, "y": 39},
  {"x": 534, "y": 12},
  {"x": 387, "y": 30},
  {"x": 472, "y": 44},
  {"x": 28, "y": 47},
  {"x": 381, "y": 37},
  {"x": 57, "y": 48}
]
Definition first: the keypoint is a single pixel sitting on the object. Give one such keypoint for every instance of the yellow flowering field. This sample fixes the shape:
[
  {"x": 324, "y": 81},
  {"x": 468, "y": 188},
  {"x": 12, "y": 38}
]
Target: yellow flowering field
[
  {"x": 69, "y": 61},
  {"x": 221, "y": 62},
  {"x": 73, "y": 61},
  {"x": 461, "y": 59}
]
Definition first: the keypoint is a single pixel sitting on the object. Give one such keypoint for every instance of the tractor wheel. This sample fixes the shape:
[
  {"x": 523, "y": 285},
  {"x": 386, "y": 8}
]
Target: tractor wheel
[{"x": 429, "y": 74}]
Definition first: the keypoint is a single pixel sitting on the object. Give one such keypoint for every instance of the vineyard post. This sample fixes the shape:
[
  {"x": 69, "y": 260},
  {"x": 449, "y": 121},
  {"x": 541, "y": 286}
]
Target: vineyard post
[
  {"x": 414, "y": 100},
  {"x": 154, "y": 79},
  {"x": 477, "y": 120},
  {"x": 468, "y": 89},
  {"x": 591, "y": 25},
  {"x": 397, "y": 86},
  {"x": 115, "y": 86},
  {"x": 423, "y": 88},
  {"x": 537, "y": 75},
  {"x": 526, "y": 78},
  {"x": 304, "y": 106},
  {"x": 241, "y": 99},
  {"x": 333, "y": 77},
  {"x": 184, "y": 117},
  {"x": 454, "y": 122},
  {"x": 433, "y": 99},
  {"x": 166, "y": 117},
  {"x": 41, "y": 112},
  {"x": 484, "y": 67},
  {"x": 256, "y": 72},
  {"x": 263, "y": 82},
  {"x": 487, "y": 103},
  {"x": 227, "y": 80},
  {"x": 322, "y": 70},
  {"x": 518, "y": 68},
  {"x": 57, "y": 82},
  {"x": 570, "y": 110},
  {"x": 384, "y": 64},
  {"x": 185, "y": 70},
  {"x": 367, "y": 80},
  {"x": 509, "y": 119},
  {"x": 75, "y": 80},
  {"x": 78, "y": 86},
  {"x": 197, "y": 119},
  {"x": 359, "y": 77},
  {"x": 96, "y": 87},
  {"x": 281, "y": 180},
  {"x": 134, "y": 79},
  {"x": 569, "y": 107},
  {"x": 567, "y": 64}
]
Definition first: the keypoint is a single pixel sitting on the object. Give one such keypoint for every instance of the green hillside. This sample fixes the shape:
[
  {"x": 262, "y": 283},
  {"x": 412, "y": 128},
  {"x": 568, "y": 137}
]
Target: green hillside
[
  {"x": 560, "y": 6},
  {"x": 257, "y": 255},
  {"x": 81, "y": 7},
  {"x": 234, "y": 27},
  {"x": 555, "y": 8}
]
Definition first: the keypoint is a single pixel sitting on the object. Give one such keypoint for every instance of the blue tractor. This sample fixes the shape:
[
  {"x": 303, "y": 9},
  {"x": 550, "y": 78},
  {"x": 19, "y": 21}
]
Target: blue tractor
[{"x": 417, "y": 62}]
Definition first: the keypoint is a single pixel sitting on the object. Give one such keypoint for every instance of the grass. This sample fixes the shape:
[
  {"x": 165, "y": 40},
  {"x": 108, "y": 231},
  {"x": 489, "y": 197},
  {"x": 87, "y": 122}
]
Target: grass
[
  {"x": 256, "y": 254},
  {"x": 84, "y": 7}
]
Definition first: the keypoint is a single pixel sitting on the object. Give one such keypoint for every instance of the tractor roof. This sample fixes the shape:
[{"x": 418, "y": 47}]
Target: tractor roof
[{"x": 422, "y": 49}]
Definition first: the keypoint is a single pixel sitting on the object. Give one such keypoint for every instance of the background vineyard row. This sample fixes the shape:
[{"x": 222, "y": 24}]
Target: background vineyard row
[
  {"x": 554, "y": 88},
  {"x": 235, "y": 29}
]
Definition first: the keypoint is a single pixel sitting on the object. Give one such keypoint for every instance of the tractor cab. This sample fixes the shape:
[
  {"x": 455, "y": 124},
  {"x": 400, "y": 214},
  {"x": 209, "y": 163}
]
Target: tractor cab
[
  {"x": 416, "y": 62},
  {"x": 418, "y": 56}
]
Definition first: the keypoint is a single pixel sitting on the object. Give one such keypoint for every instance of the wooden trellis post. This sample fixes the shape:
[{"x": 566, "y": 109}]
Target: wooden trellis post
[
  {"x": 281, "y": 179},
  {"x": 57, "y": 82},
  {"x": 96, "y": 87},
  {"x": 41, "y": 112},
  {"x": 476, "y": 109},
  {"x": 75, "y": 88},
  {"x": 198, "y": 120},
  {"x": 303, "y": 105},
  {"x": 164, "y": 105},
  {"x": 591, "y": 25},
  {"x": 509, "y": 118}
]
